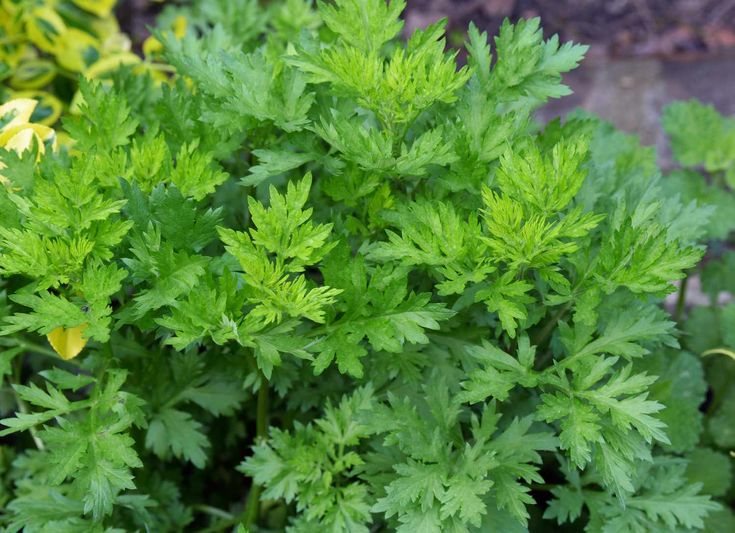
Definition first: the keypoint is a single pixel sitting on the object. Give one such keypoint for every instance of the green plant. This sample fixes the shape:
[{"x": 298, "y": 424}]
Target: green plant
[
  {"x": 331, "y": 280},
  {"x": 705, "y": 150}
]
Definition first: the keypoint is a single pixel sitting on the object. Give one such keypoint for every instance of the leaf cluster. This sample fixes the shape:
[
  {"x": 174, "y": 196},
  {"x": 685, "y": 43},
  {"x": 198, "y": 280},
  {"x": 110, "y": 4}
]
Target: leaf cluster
[{"x": 329, "y": 278}]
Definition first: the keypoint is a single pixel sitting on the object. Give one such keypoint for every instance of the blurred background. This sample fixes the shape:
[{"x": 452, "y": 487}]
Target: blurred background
[{"x": 643, "y": 53}]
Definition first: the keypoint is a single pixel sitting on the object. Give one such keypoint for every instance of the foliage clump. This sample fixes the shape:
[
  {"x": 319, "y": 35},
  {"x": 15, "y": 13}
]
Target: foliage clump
[{"x": 330, "y": 279}]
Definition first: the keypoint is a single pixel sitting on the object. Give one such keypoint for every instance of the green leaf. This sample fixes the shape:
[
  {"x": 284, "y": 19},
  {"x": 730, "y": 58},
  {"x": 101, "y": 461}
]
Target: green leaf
[
  {"x": 528, "y": 66},
  {"x": 499, "y": 372},
  {"x": 315, "y": 466},
  {"x": 242, "y": 87},
  {"x": 175, "y": 431},
  {"x": 366, "y": 24},
  {"x": 720, "y": 422},
  {"x": 710, "y": 469},
  {"x": 682, "y": 388},
  {"x": 211, "y": 310},
  {"x": 49, "y": 313},
  {"x": 435, "y": 236},
  {"x": 662, "y": 500},
  {"x": 6, "y": 359},
  {"x": 179, "y": 220},
  {"x": 693, "y": 187},
  {"x": 625, "y": 334},
  {"x": 419, "y": 484},
  {"x": 378, "y": 311},
  {"x": 104, "y": 121},
  {"x": 195, "y": 174},
  {"x": 508, "y": 298},
  {"x": 699, "y": 135},
  {"x": 170, "y": 273},
  {"x": 273, "y": 163}
]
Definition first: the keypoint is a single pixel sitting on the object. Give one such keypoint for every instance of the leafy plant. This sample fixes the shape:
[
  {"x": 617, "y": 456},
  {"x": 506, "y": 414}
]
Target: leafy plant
[
  {"x": 331, "y": 279},
  {"x": 707, "y": 316}
]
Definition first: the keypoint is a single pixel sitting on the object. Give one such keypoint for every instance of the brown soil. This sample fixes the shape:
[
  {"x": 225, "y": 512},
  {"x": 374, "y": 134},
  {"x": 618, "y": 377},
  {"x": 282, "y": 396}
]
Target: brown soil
[{"x": 613, "y": 27}]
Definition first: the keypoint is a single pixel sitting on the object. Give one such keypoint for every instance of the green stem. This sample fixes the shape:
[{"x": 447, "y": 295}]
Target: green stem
[
  {"x": 224, "y": 524},
  {"x": 399, "y": 138},
  {"x": 261, "y": 423},
  {"x": 252, "y": 507},
  {"x": 22, "y": 407},
  {"x": 38, "y": 349},
  {"x": 214, "y": 511},
  {"x": 720, "y": 351},
  {"x": 546, "y": 332},
  {"x": 681, "y": 300}
]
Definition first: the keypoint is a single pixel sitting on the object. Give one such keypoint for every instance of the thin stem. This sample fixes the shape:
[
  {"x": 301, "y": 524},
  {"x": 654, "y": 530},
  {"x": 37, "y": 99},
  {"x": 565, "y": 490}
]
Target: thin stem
[
  {"x": 38, "y": 349},
  {"x": 546, "y": 332},
  {"x": 214, "y": 511},
  {"x": 681, "y": 300},
  {"x": 399, "y": 138},
  {"x": 224, "y": 524},
  {"x": 252, "y": 507},
  {"x": 44, "y": 351},
  {"x": 720, "y": 351},
  {"x": 22, "y": 407},
  {"x": 261, "y": 423}
]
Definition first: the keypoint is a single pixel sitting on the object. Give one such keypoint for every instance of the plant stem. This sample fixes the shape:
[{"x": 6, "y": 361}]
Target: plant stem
[
  {"x": 681, "y": 300},
  {"x": 224, "y": 524},
  {"x": 38, "y": 349},
  {"x": 546, "y": 332},
  {"x": 214, "y": 511},
  {"x": 720, "y": 351},
  {"x": 261, "y": 423},
  {"x": 252, "y": 507},
  {"x": 22, "y": 407}
]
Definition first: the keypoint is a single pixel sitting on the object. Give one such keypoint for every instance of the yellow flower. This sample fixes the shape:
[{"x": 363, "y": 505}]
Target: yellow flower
[{"x": 68, "y": 343}]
